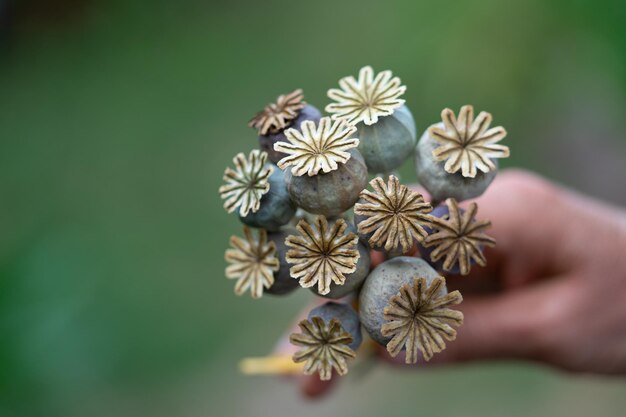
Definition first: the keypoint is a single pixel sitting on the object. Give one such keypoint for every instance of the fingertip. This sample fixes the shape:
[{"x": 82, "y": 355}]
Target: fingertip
[
  {"x": 382, "y": 354},
  {"x": 312, "y": 387},
  {"x": 377, "y": 258}
]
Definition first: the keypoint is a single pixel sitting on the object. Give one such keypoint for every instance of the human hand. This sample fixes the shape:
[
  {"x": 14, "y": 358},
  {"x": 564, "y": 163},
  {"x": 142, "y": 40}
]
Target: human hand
[{"x": 553, "y": 289}]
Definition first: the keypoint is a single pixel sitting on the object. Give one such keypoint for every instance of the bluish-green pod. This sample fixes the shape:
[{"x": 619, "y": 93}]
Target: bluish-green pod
[
  {"x": 283, "y": 282},
  {"x": 345, "y": 315},
  {"x": 332, "y": 193},
  {"x": 440, "y": 184},
  {"x": 383, "y": 283},
  {"x": 386, "y": 144},
  {"x": 276, "y": 208}
]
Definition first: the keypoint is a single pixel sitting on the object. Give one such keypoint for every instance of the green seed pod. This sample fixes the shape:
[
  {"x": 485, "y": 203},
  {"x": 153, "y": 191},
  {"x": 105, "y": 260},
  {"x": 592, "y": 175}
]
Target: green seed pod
[
  {"x": 458, "y": 157},
  {"x": 404, "y": 305},
  {"x": 432, "y": 175},
  {"x": 353, "y": 280},
  {"x": 332, "y": 193},
  {"x": 276, "y": 208},
  {"x": 283, "y": 282},
  {"x": 386, "y": 144},
  {"x": 383, "y": 283}
]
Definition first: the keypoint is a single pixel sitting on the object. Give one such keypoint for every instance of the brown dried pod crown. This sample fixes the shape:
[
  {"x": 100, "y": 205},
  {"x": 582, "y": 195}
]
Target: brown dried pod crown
[
  {"x": 325, "y": 346},
  {"x": 393, "y": 213},
  {"x": 459, "y": 238},
  {"x": 419, "y": 319},
  {"x": 467, "y": 144},
  {"x": 277, "y": 116},
  {"x": 321, "y": 254},
  {"x": 252, "y": 262}
]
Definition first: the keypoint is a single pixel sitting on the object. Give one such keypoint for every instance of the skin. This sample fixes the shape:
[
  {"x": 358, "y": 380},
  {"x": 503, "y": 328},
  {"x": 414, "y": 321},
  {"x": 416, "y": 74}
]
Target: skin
[{"x": 554, "y": 288}]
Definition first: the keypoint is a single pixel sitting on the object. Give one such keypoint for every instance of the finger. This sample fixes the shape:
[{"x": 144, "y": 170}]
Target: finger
[
  {"x": 376, "y": 258},
  {"x": 529, "y": 217},
  {"x": 311, "y": 386}
]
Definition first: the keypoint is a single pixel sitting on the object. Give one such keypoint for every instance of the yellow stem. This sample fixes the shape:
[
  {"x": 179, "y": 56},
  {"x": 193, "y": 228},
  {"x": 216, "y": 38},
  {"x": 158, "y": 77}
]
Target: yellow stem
[{"x": 270, "y": 365}]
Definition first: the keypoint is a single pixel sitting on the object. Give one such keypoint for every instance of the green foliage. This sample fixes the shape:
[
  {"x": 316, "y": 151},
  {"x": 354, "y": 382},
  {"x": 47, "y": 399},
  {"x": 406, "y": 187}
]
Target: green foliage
[{"x": 115, "y": 127}]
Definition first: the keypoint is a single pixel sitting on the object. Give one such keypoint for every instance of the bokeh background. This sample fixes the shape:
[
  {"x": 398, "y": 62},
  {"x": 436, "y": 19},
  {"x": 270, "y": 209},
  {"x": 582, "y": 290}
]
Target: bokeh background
[{"x": 117, "y": 119}]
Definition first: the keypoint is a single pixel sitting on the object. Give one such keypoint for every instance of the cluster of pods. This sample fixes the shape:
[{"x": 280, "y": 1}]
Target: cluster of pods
[{"x": 310, "y": 220}]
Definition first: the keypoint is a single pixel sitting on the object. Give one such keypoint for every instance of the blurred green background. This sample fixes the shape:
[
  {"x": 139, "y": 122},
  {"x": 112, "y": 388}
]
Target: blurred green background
[{"x": 117, "y": 119}]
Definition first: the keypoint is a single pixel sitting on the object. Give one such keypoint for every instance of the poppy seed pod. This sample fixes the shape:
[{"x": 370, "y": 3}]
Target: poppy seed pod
[
  {"x": 440, "y": 212},
  {"x": 276, "y": 208},
  {"x": 439, "y": 183},
  {"x": 322, "y": 253},
  {"x": 328, "y": 340},
  {"x": 404, "y": 306},
  {"x": 457, "y": 158},
  {"x": 386, "y": 144},
  {"x": 283, "y": 282},
  {"x": 266, "y": 142},
  {"x": 384, "y": 282},
  {"x": 372, "y": 102},
  {"x": 353, "y": 280},
  {"x": 289, "y": 110},
  {"x": 345, "y": 315},
  {"x": 456, "y": 239},
  {"x": 332, "y": 193}
]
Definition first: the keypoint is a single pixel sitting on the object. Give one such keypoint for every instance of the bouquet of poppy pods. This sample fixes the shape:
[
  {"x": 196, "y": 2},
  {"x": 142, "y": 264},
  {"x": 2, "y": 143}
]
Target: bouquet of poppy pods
[{"x": 320, "y": 194}]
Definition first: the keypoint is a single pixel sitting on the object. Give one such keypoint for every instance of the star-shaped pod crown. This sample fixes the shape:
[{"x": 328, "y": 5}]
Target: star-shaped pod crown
[
  {"x": 277, "y": 116},
  {"x": 247, "y": 183},
  {"x": 393, "y": 214},
  {"x": 317, "y": 148},
  {"x": 458, "y": 238},
  {"x": 325, "y": 346},
  {"x": 467, "y": 144},
  {"x": 252, "y": 262},
  {"x": 321, "y": 254},
  {"x": 366, "y": 98}
]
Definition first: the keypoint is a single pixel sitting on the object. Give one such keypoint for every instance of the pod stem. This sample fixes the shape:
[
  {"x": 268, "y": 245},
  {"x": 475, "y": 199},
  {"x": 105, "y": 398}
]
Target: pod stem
[
  {"x": 284, "y": 364},
  {"x": 270, "y": 365}
]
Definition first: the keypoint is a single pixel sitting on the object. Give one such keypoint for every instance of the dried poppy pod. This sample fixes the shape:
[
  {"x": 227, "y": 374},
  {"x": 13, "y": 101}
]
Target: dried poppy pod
[
  {"x": 392, "y": 217},
  {"x": 353, "y": 281},
  {"x": 403, "y": 305},
  {"x": 456, "y": 239},
  {"x": 329, "y": 338},
  {"x": 253, "y": 262},
  {"x": 324, "y": 171},
  {"x": 385, "y": 125},
  {"x": 458, "y": 158},
  {"x": 258, "y": 263},
  {"x": 322, "y": 254},
  {"x": 289, "y": 110},
  {"x": 247, "y": 183},
  {"x": 275, "y": 208},
  {"x": 283, "y": 282}
]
